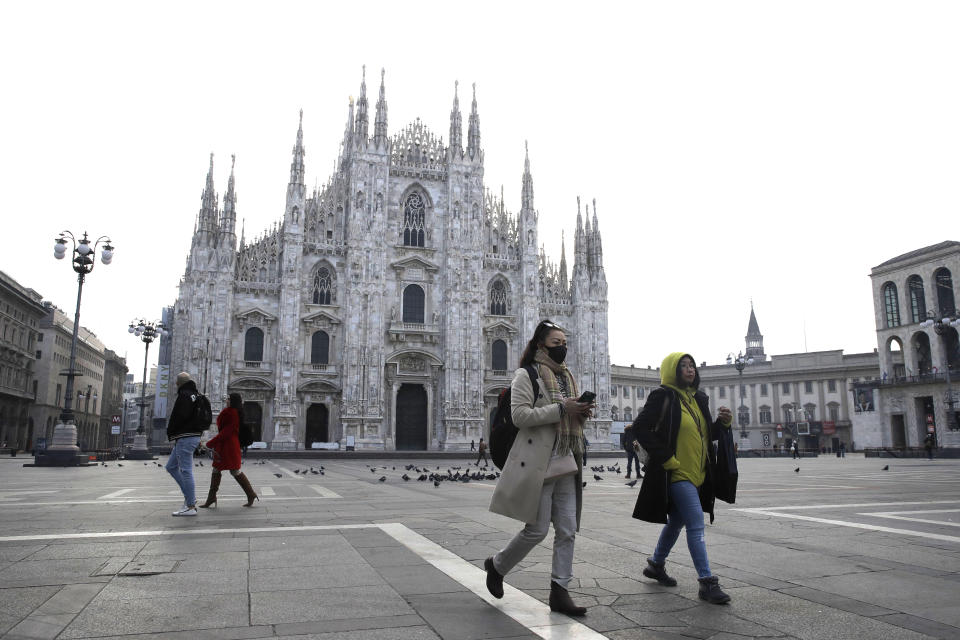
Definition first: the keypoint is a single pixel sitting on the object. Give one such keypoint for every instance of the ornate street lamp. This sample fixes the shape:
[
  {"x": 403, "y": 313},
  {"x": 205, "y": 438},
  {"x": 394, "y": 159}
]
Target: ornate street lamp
[
  {"x": 940, "y": 323},
  {"x": 741, "y": 362},
  {"x": 147, "y": 332},
  {"x": 63, "y": 450}
]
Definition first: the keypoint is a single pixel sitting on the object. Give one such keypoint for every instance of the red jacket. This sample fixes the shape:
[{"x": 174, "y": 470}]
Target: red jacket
[{"x": 226, "y": 444}]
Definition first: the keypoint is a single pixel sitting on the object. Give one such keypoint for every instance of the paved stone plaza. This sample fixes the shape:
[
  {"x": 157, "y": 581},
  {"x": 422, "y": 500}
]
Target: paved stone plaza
[{"x": 841, "y": 549}]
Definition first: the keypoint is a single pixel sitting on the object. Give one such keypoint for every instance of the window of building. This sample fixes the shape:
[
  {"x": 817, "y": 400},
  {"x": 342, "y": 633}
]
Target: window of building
[
  {"x": 613, "y": 391},
  {"x": 413, "y": 220},
  {"x": 763, "y": 388},
  {"x": 787, "y": 413},
  {"x": 809, "y": 412},
  {"x": 832, "y": 386},
  {"x": 322, "y": 286},
  {"x": 39, "y": 354},
  {"x": 722, "y": 391},
  {"x": 833, "y": 410},
  {"x": 253, "y": 345},
  {"x": 918, "y": 304},
  {"x": 39, "y": 337},
  {"x": 807, "y": 386},
  {"x": 413, "y": 304},
  {"x": 499, "y": 355},
  {"x": 641, "y": 392},
  {"x": 766, "y": 416},
  {"x": 891, "y": 305},
  {"x": 498, "y": 299},
  {"x": 627, "y": 414},
  {"x": 945, "y": 299},
  {"x": 320, "y": 348},
  {"x": 785, "y": 388},
  {"x": 626, "y": 392},
  {"x": 59, "y": 391},
  {"x": 743, "y": 415}
]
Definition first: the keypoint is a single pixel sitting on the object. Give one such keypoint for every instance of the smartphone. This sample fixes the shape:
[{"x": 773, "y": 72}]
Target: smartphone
[{"x": 587, "y": 396}]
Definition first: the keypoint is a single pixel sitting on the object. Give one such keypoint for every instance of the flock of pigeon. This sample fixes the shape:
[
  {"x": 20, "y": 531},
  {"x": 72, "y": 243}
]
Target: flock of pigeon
[{"x": 453, "y": 474}]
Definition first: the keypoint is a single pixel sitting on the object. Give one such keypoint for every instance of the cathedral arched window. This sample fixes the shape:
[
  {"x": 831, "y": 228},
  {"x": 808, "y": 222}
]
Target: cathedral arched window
[
  {"x": 413, "y": 220},
  {"x": 918, "y": 304},
  {"x": 320, "y": 348},
  {"x": 498, "y": 299},
  {"x": 891, "y": 305},
  {"x": 253, "y": 345},
  {"x": 322, "y": 286},
  {"x": 413, "y": 304},
  {"x": 945, "y": 299},
  {"x": 499, "y": 355}
]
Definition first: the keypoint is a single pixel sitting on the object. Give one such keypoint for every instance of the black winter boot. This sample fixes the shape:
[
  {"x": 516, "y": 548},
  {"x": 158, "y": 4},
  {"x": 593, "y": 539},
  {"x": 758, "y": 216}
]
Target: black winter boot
[
  {"x": 560, "y": 601},
  {"x": 494, "y": 579},
  {"x": 659, "y": 573},
  {"x": 710, "y": 591}
]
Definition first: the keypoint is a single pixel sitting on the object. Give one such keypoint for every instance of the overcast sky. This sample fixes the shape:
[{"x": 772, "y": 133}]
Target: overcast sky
[{"x": 767, "y": 150}]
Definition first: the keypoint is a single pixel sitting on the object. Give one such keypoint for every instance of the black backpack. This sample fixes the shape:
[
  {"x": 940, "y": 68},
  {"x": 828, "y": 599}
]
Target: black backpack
[
  {"x": 503, "y": 432},
  {"x": 202, "y": 413}
]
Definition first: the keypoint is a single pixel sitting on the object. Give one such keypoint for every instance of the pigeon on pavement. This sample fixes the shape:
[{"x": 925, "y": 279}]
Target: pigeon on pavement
[
  {"x": 383, "y": 479},
  {"x": 279, "y": 475},
  {"x": 631, "y": 483},
  {"x": 797, "y": 470},
  {"x": 886, "y": 467}
]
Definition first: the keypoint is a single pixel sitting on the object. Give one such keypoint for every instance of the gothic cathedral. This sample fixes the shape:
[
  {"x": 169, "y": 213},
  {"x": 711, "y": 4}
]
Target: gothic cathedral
[{"x": 388, "y": 308}]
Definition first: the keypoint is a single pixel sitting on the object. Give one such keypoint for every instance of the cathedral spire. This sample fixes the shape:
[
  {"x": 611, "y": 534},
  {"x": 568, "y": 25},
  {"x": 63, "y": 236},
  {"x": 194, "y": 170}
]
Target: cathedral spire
[
  {"x": 228, "y": 221},
  {"x": 754, "y": 338},
  {"x": 456, "y": 124},
  {"x": 348, "y": 131},
  {"x": 380, "y": 126},
  {"x": 207, "y": 218},
  {"x": 563, "y": 263},
  {"x": 473, "y": 135},
  {"x": 597, "y": 244},
  {"x": 526, "y": 197},
  {"x": 362, "y": 119},
  {"x": 296, "y": 167}
]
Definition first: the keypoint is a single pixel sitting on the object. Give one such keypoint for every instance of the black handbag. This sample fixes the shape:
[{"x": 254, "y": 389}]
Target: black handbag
[{"x": 725, "y": 468}]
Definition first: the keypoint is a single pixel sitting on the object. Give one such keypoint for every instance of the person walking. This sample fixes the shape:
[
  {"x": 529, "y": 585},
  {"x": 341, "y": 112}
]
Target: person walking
[
  {"x": 482, "y": 453},
  {"x": 473, "y": 446},
  {"x": 185, "y": 434},
  {"x": 796, "y": 451},
  {"x": 677, "y": 431},
  {"x": 929, "y": 443},
  {"x": 632, "y": 458},
  {"x": 226, "y": 452},
  {"x": 542, "y": 477}
]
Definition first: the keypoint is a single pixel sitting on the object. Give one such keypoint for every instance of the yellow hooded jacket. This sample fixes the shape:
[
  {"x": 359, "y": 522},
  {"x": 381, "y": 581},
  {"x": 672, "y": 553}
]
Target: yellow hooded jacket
[{"x": 690, "y": 460}]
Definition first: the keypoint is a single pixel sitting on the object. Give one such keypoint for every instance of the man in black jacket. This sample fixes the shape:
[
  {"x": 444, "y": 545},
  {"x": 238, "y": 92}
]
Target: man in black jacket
[{"x": 185, "y": 434}]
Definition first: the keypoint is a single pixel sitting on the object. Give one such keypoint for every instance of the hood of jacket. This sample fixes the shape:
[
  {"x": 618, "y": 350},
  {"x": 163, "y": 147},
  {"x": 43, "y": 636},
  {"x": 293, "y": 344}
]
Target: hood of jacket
[
  {"x": 668, "y": 373},
  {"x": 188, "y": 388}
]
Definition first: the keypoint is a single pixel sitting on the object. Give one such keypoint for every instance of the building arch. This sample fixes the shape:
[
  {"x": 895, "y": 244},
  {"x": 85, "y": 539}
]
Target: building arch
[
  {"x": 415, "y": 209},
  {"x": 895, "y": 357},
  {"x": 922, "y": 354},
  {"x": 498, "y": 355}
]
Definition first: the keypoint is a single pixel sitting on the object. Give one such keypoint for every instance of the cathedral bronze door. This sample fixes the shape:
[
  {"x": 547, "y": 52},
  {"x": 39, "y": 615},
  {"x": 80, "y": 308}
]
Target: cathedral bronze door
[
  {"x": 318, "y": 419},
  {"x": 253, "y": 416},
  {"x": 411, "y": 418}
]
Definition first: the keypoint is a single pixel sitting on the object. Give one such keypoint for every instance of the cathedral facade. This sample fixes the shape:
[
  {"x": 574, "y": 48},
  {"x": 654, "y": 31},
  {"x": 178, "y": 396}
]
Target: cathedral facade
[{"x": 389, "y": 307}]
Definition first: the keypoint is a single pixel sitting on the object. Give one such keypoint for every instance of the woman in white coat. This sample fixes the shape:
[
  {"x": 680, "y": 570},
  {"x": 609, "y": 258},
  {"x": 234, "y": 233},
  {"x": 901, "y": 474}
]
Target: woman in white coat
[{"x": 542, "y": 478}]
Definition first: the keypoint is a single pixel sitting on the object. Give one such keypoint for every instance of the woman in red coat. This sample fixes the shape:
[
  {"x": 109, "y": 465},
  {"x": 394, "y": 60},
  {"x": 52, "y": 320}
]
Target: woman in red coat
[{"x": 226, "y": 452}]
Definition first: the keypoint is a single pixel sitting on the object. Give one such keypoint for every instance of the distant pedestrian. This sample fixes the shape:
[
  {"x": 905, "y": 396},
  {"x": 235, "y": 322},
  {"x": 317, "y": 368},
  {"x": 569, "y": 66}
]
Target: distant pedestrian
[
  {"x": 629, "y": 440},
  {"x": 473, "y": 446},
  {"x": 482, "y": 453},
  {"x": 677, "y": 431},
  {"x": 929, "y": 443},
  {"x": 843, "y": 449},
  {"x": 183, "y": 431},
  {"x": 226, "y": 451},
  {"x": 796, "y": 450}
]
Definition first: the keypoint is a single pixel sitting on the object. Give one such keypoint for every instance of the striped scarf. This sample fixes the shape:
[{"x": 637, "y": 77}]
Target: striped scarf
[{"x": 570, "y": 429}]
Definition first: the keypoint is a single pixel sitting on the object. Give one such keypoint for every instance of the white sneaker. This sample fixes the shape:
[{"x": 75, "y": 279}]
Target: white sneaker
[{"x": 185, "y": 511}]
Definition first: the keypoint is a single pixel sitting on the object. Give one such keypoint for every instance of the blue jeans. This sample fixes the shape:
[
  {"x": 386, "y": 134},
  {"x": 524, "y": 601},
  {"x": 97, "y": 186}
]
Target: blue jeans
[
  {"x": 180, "y": 466},
  {"x": 685, "y": 511},
  {"x": 632, "y": 458}
]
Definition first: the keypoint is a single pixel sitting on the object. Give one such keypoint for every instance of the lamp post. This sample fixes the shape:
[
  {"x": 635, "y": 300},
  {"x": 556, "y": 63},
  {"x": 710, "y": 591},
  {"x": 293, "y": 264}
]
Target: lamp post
[
  {"x": 147, "y": 331},
  {"x": 741, "y": 362},
  {"x": 940, "y": 323},
  {"x": 63, "y": 450}
]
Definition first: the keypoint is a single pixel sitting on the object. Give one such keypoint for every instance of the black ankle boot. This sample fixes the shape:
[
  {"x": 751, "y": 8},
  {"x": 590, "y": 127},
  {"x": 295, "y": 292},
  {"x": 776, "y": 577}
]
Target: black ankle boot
[
  {"x": 659, "y": 573},
  {"x": 560, "y": 601},
  {"x": 494, "y": 579},
  {"x": 710, "y": 591}
]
